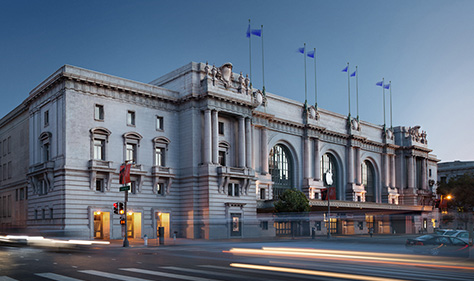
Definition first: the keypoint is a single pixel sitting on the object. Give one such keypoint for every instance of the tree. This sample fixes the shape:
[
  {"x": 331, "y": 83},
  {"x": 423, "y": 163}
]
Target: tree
[
  {"x": 292, "y": 201},
  {"x": 462, "y": 190}
]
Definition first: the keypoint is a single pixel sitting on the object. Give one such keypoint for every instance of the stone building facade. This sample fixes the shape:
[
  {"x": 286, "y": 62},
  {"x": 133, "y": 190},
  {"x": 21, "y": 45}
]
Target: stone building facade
[{"x": 210, "y": 154}]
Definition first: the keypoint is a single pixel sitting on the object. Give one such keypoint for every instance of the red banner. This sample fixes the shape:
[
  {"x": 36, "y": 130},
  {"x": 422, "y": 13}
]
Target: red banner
[
  {"x": 125, "y": 173},
  {"x": 332, "y": 193}
]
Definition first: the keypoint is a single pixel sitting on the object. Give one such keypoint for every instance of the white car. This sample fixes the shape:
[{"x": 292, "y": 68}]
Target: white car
[{"x": 461, "y": 234}]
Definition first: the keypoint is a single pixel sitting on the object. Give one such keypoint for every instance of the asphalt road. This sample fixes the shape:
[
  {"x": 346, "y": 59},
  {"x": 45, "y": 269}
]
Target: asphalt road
[{"x": 274, "y": 260}]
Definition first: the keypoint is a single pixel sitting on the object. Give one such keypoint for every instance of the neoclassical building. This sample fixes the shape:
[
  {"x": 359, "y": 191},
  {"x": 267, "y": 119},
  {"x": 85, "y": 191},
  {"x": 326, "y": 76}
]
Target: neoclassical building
[{"x": 210, "y": 155}]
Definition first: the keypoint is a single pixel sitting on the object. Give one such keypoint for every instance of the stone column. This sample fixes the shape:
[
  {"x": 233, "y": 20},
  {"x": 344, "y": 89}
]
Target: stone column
[
  {"x": 411, "y": 172},
  {"x": 386, "y": 173},
  {"x": 358, "y": 167},
  {"x": 424, "y": 174},
  {"x": 317, "y": 161},
  {"x": 215, "y": 140},
  {"x": 350, "y": 165},
  {"x": 248, "y": 142},
  {"x": 207, "y": 153},
  {"x": 392, "y": 171},
  {"x": 306, "y": 166},
  {"x": 264, "y": 151},
  {"x": 241, "y": 139}
]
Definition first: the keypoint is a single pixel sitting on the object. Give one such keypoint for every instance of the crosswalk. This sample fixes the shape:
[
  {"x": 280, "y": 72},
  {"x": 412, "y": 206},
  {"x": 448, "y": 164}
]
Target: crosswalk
[{"x": 231, "y": 272}]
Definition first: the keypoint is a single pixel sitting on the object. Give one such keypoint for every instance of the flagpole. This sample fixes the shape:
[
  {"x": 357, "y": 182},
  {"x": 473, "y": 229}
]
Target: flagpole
[
  {"x": 383, "y": 94},
  {"x": 390, "y": 83},
  {"x": 263, "y": 66},
  {"x": 250, "y": 53},
  {"x": 305, "y": 87},
  {"x": 357, "y": 92},
  {"x": 349, "y": 89},
  {"x": 315, "y": 83}
]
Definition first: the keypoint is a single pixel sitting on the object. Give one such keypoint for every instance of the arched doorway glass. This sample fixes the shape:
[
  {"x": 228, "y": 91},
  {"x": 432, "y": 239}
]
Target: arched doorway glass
[
  {"x": 368, "y": 180},
  {"x": 329, "y": 171},
  {"x": 281, "y": 169}
]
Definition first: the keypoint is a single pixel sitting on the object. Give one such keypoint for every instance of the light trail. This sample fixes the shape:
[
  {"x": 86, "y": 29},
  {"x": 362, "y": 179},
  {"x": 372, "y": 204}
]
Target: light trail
[
  {"x": 313, "y": 272},
  {"x": 353, "y": 256}
]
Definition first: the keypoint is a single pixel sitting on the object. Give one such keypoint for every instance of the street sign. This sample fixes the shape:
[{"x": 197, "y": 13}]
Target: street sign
[{"x": 124, "y": 188}]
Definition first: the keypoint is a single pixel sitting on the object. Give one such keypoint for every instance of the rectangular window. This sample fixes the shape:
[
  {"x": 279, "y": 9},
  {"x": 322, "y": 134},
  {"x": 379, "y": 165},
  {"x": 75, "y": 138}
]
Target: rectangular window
[
  {"x": 264, "y": 225},
  {"x": 99, "y": 185},
  {"x": 131, "y": 152},
  {"x": 36, "y": 214},
  {"x": 221, "y": 128},
  {"x": 233, "y": 189},
  {"x": 99, "y": 149},
  {"x": 262, "y": 193},
  {"x": 43, "y": 214},
  {"x": 46, "y": 152},
  {"x": 99, "y": 112},
  {"x": 221, "y": 158},
  {"x": 160, "y": 188},
  {"x": 159, "y": 123},
  {"x": 46, "y": 118},
  {"x": 131, "y": 118},
  {"x": 51, "y": 213},
  {"x": 160, "y": 156},
  {"x": 10, "y": 169},
  {"x": 22, "y": 194},
  {"x": 9, "y": 205},
  {"x": 133, "y": 187},
  {"x": 4, "y": 147},
  {"x": 4, "y": 171},
  {"x": 9, "y": 145}
]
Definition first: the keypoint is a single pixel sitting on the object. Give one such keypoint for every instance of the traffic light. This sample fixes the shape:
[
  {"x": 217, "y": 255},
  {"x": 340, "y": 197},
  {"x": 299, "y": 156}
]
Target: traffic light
[
  {"x": 116, "y": 210},
  {"x": 121, "y": 210},
  {"x": 122, "y": 221}
]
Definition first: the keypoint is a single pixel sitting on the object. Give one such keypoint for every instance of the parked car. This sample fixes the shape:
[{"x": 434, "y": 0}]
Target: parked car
[
  {"x": 438, "y": 245},
  {"x": 440, "y": 231},
  {"x": 461, "y": 234}
]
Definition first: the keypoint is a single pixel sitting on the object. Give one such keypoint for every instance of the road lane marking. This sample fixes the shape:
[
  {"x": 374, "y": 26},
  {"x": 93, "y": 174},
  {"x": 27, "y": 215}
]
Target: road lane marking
[
  {"x": 57, "y": 277},
  {"x": 165, "y": 274},
  {"x": 312, "y": 272},
  {"x": 112, "y": 276},
  {"x": 6, "y": 278},
  {"x": 222, "y": 274}
]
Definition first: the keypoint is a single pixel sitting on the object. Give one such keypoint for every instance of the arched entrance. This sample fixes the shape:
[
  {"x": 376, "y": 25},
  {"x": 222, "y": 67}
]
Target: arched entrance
[
  {"x": 368, "y": 180},
  {"x": 281, "y": 168}
]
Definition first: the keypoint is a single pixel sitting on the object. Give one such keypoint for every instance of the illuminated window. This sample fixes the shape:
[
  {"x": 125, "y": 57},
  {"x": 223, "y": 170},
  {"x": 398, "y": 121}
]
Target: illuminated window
[{"x": 281, "y": 169}]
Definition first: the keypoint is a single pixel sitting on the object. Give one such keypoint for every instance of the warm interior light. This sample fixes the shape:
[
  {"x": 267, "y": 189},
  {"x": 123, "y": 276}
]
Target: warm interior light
[
  {"x": 130, "y": 213},
  {"x": 449, "y": 197},
  {"x": 97, "y": 213}
]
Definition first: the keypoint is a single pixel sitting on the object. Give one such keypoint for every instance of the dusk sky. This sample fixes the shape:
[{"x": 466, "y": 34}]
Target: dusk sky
[{"x": 426, "y": 48}]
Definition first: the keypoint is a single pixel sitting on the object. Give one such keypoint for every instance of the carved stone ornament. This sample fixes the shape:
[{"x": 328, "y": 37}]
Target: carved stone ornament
[
  {"x": 414, "y": 133},
  {"x": 257, "y": 98},
  {"x": 355, "y": 125},
  {"x": 388, "y": 134},
  {"x": 226, "y": 72}
]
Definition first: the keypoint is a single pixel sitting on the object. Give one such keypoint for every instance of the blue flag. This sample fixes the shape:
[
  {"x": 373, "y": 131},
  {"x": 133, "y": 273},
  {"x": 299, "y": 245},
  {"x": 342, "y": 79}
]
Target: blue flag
[
  {"x": 248, "y": 32},
  {"x": 386, "y": 86},
  {"x": 257, "y": 32},
  {"x": 345, "y": 69},
  {"x": 311, "y": 54},
  {"x": 353, "y": 74},
  {"x": 301, "y": 50},
  {"x": 379, "y": 84}
]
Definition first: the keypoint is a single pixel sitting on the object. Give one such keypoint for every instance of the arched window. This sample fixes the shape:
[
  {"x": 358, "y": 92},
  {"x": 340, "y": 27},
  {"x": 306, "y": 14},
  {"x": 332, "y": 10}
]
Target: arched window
[
  {"x": 329, "y": 171},
  {"x": 368, "y": 180},
  {"x": 281, "y": 169}
]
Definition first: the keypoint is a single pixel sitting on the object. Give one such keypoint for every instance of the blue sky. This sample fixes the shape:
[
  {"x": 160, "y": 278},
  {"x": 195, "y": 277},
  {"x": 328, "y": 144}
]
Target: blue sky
[{"x": 425, "y": 47}]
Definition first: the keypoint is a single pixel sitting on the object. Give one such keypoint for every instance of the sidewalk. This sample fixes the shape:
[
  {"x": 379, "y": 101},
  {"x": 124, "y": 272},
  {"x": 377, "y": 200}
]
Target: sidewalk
[{"x": 170, "y": 242}]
